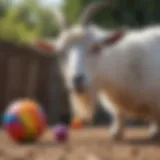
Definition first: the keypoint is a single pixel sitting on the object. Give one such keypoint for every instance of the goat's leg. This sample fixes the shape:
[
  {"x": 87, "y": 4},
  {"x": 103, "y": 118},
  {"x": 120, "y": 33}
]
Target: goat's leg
[
  {"x": 154, "y": 130},
  {"x": 117, "y": 127},
  {"x": 82, "y": 107}
]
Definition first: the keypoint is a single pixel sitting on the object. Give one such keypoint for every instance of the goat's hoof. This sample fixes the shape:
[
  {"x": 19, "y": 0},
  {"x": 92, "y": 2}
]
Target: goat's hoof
[
  {"x": 116, "y": 136},
  {"x": 155, "y": 137},
  {"x": 154, "y": 133}
]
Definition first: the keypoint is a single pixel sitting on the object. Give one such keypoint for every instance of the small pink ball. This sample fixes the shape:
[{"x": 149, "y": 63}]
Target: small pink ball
[{"x": 61, "y": 132}]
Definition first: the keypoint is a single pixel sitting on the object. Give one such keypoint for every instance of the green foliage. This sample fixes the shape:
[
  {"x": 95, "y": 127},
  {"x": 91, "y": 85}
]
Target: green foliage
[
  {"x": 25, "y": 22},
  {"x": 131, "y": 13},
  {"x": 13, "y": 29},
  {"x": 47, "y": 23},
  {"x": 72, "y": 9},
  {"x": 28, "y": 21}
]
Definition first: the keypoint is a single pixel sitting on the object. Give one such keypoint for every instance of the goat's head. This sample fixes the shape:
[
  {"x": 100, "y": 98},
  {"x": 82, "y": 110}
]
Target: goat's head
[{"x": 79, "y": 46}]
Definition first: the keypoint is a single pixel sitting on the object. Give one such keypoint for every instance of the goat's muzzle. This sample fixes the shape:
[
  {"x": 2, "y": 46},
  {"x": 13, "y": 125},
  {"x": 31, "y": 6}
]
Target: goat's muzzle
[{"x": 79, "y": 84}]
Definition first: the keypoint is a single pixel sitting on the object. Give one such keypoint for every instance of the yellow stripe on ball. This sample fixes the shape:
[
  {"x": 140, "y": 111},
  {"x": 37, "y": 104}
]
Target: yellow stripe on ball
[{"x": 28, "y": 123}]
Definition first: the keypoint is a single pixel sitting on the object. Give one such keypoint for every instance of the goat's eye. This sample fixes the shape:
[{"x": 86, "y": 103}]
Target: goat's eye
[{"x": 95, "y": 48}]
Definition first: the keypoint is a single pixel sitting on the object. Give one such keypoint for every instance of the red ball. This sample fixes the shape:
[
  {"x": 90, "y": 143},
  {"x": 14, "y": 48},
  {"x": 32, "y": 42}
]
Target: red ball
[{"x": 61, "y": 132}]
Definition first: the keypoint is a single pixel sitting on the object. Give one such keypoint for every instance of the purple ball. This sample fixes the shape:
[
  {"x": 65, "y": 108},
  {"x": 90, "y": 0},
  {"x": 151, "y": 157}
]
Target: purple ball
[{"x": 61, "y": 132}]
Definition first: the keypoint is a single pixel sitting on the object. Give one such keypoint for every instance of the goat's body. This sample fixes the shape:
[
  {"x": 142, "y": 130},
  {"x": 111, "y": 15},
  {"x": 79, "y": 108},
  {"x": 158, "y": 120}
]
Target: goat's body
[
  {"x": 130, "y": 73},
  {"x": 128, "y": 77}
]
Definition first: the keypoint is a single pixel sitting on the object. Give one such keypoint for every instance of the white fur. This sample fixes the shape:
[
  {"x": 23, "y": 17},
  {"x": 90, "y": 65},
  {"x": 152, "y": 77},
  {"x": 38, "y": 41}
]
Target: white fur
[
  {"x": 74, "y": 44},
  {"x": 141, "y": 47}
]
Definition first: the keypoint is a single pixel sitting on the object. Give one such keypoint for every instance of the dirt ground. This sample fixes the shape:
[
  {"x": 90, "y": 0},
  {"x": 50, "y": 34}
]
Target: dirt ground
[{"x": 84, "y": 144}]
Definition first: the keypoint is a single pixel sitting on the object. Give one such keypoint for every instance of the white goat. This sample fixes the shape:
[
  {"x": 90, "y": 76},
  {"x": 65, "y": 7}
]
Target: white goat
[{"x": 120, "y": 68}]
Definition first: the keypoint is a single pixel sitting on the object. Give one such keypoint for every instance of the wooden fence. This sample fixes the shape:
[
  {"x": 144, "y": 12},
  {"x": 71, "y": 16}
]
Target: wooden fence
[{"x": 25, "y": 72}]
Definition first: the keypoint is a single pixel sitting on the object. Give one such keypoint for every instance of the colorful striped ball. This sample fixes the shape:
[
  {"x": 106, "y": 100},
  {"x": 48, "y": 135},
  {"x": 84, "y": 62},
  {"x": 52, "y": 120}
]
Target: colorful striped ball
[{"x": 24, "y": 120}]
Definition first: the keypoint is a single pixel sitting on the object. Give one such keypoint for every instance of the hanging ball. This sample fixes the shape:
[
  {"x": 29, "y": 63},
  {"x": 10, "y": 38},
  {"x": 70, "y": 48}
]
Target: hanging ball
[{"x": 24, "y": 121}]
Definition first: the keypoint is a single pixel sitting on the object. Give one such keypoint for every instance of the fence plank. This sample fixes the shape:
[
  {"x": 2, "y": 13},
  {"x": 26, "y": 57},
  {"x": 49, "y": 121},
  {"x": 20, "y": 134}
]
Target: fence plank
[
  {"x": 26, "y": 72},
  {"x": 32, "y": 78},
  {"x": 14, "y": 76},
  {"x": 3, "y": 68}
]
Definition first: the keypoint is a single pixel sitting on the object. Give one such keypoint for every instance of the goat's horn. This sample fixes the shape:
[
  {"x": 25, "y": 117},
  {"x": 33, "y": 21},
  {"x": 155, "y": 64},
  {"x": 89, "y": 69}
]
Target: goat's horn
[
  {"x": 61, "y": 19},
  {"x": 94, "y": 8}
]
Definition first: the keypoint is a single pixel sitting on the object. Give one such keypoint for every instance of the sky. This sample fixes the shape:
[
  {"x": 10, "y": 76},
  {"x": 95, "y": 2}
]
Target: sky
[
  {"x": 56, "y": 3},
  {"x": 50, "y": 2}
]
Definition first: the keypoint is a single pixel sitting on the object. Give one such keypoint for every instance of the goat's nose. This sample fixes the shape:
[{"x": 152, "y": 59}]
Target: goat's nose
[{"x": 79, "y": 83}]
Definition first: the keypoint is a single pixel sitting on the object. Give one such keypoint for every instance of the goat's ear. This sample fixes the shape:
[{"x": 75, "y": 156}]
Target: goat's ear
[
  {"x": 115, "y": 37},
  {"x": 45, "y": 46}
]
